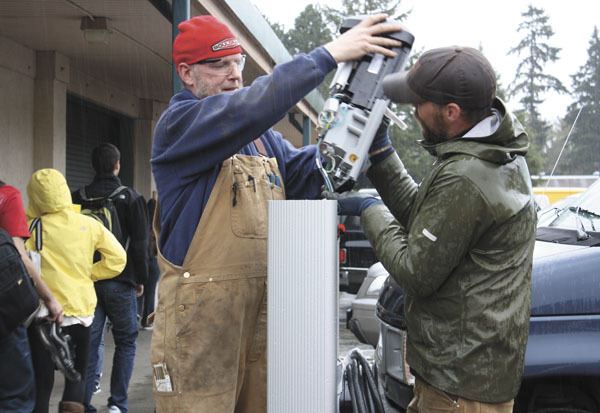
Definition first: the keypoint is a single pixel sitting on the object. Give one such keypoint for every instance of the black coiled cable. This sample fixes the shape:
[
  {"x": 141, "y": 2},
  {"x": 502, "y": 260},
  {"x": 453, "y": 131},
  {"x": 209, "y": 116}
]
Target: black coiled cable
[{"x": 362, "y": 385}]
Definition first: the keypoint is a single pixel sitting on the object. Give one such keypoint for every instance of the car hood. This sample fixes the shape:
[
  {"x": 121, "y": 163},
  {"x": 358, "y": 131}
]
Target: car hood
[
  {"x": 565, "y": 280},
  {"x": 546, "y": 249}
]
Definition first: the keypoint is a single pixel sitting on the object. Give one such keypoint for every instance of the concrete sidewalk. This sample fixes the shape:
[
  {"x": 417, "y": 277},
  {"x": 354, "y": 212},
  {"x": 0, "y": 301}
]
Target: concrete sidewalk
[{"x": 140, "y": 387}]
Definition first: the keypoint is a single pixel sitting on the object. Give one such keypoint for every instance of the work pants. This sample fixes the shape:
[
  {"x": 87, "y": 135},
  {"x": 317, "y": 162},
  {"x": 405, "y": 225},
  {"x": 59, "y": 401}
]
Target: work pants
[{"x": 428, "y": 399}]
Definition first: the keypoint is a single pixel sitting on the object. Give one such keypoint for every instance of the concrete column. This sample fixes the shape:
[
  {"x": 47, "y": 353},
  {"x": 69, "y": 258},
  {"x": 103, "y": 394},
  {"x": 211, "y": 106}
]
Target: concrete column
[
  {"x": 306, "y": 130},
  {"x": 17, "y": 74},
  {"x": 50, "y": 111},
  {"x": 143, "y": 131}
]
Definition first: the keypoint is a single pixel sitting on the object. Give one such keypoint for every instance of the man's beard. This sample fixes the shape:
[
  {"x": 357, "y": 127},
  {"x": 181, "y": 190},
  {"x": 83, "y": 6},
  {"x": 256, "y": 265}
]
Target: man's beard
[
  {"x": 203, "y": 89},
  {"x": 435, "y": 134}
]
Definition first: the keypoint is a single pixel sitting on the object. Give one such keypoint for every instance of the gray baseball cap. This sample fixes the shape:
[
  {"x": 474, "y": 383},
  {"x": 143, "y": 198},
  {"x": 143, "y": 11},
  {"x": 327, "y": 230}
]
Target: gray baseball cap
[{"x": 449, "y": 74}]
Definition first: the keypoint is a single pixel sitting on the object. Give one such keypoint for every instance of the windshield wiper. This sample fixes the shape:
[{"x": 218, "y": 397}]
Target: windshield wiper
[
  {"x": 582, "y": 234},
  {"x": 585, "y": 213}
]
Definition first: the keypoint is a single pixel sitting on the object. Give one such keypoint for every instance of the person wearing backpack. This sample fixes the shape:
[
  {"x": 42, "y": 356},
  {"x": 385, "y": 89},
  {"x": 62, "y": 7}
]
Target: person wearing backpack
[
  {"x": 66, "y": 242},
  {"x": 17, "y": 385},
  {"x": 105, "y": 196}
]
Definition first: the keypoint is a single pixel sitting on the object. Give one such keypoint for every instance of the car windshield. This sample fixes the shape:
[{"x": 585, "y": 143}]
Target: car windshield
[{"x": 582, "y": 212}]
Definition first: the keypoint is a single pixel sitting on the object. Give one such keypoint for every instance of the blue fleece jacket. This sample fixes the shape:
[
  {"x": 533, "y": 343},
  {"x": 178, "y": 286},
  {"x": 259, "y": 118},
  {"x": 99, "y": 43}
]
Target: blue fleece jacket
[{"x": 194, "y": 136}]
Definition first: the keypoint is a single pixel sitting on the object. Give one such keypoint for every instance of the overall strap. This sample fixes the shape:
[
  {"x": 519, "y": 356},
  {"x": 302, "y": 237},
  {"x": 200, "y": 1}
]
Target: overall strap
[
  {"x": 84, "y": 197},
  {"x": 260, "y": 147},
  {"x": 116, "y": 192},
  {"x": 83, "y": 194}
]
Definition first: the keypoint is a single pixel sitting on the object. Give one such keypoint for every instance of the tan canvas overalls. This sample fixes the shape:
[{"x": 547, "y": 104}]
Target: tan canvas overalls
[{"x": 210, "y": 322}]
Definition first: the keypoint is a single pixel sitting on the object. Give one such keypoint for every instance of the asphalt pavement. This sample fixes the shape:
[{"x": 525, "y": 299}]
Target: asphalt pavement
[{"x": 140, "y": 387}]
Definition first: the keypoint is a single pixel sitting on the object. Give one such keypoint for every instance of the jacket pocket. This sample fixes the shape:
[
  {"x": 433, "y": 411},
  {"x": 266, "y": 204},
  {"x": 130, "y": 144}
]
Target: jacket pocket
[
  {"x": 248, "y": 206},
  {"x": 207, "y": 335},
  {"x": 163, "y": 376}
]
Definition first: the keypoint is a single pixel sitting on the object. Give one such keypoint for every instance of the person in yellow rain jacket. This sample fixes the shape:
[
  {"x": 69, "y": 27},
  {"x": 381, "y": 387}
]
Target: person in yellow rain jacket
[{"x": 68, "y": 242}]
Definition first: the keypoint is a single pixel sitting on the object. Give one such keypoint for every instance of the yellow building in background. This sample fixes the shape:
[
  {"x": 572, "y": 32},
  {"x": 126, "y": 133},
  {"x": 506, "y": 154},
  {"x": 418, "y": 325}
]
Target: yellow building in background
[
  {"x": 554, "y": 194},
  {"x": 551, "y": 189}
]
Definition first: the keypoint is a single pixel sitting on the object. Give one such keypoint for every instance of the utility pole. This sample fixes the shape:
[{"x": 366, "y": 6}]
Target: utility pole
[{"x": 181, "y": 12}]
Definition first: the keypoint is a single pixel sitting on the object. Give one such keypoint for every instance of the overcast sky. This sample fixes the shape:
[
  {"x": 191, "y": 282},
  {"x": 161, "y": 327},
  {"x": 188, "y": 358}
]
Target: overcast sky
[{"x": 491, "y": 25}]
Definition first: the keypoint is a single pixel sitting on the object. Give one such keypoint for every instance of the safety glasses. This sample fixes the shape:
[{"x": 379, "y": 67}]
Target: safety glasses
[{"x": 222, "y": 66}]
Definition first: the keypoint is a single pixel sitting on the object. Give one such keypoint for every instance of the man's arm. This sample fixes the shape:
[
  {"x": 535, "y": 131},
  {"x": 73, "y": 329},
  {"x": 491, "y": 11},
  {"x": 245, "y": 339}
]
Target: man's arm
[
  {"x": 302, "y": 179},
  {"x": 54, "y": 308},
  {"x": 195, "y": 135},
  {"x": 452, "y": 217},
  {"x": 395, "y": 186},
  {"x": 112, "y": 255}
]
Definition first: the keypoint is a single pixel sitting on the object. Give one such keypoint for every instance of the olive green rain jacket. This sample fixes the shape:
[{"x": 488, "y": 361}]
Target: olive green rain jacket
[{"x": 460, "y": 245}]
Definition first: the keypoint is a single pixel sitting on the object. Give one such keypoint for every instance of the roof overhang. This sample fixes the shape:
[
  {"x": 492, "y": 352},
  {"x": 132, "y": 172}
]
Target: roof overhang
[{"x": 137, "y": 57}]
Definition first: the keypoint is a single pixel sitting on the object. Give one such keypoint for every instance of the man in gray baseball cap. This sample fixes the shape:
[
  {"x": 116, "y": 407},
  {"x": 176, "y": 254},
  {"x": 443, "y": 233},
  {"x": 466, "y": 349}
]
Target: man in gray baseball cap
[
  {"x": 458, "y": 82},
  {"x": 449, "y": 74},
  {"x": 459, "y": 244}
]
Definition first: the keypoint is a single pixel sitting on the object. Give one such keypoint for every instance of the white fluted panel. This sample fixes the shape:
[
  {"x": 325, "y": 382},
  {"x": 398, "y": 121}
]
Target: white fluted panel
[{"x": 302, "y": 306}]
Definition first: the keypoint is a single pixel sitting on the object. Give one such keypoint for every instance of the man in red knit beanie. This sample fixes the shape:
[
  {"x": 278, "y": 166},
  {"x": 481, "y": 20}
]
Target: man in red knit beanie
[{"x": 217, "y": 162}]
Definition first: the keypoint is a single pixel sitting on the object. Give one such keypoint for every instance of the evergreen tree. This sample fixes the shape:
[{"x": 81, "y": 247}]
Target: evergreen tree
[
  {"x": 334, "y": 16},
  {"x": 538, "y": 146},
  {"x": 531, "y": 80},
  {"x": 279, "y": 31},
  {"x": 582, "y": 153},
  {"x": 501, "y": 91},
  {"x": 310, "y": 31}
]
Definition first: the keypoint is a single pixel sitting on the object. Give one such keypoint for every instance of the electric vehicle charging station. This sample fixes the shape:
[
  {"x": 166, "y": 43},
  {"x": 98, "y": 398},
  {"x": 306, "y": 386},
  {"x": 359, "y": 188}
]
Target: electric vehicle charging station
[{"x": 302, "y": 294}]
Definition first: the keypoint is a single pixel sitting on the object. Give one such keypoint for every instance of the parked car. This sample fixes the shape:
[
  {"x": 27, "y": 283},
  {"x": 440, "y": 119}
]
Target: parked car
[
  {"x": 360, "y": 317},
  {"x": 562, "y": 360}
]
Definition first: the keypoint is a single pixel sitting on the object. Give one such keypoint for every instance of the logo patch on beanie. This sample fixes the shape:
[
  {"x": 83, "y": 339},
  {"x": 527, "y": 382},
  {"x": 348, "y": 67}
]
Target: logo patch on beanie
[{"x": 226, "y": 44}]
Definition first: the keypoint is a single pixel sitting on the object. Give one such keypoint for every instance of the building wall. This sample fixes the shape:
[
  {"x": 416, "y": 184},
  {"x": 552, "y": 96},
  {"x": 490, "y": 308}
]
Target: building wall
[
  {"x": 17, "y": 72},
  {"x": 33, "y": 89},
  {"x": 123, "y": 101}
]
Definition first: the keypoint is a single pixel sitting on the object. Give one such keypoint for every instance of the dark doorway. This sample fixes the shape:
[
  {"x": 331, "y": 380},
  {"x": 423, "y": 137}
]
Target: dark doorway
[{"x": 88, "y": 125}]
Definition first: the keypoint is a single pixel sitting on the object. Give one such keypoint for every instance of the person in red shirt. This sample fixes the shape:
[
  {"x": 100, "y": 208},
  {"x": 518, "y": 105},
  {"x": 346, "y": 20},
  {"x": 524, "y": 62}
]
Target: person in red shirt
[
  {"x": 12, "y": 213},
  {"x": 14, "y": 221},
  {"x": 17, "y": 389}
]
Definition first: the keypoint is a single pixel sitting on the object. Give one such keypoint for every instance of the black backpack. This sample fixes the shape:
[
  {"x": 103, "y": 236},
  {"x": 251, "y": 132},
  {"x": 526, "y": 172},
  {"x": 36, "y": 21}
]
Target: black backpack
[
  {"x": 103, "y": 210},
  {"x": 19, "y": 301}
]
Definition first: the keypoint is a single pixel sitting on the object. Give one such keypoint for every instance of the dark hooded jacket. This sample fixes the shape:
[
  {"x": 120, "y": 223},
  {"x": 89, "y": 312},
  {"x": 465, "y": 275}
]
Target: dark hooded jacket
[
  {"x": 460, "y": 245},
  {"x": 131, "y": 208}
]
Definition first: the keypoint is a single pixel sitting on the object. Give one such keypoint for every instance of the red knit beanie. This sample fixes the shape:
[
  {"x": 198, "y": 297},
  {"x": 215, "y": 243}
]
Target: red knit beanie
[{"x": 203, "y": 37}]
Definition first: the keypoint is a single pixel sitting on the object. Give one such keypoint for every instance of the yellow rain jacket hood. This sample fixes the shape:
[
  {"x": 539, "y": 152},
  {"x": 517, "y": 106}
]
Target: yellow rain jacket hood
[{"x": 69, "y": 240}]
